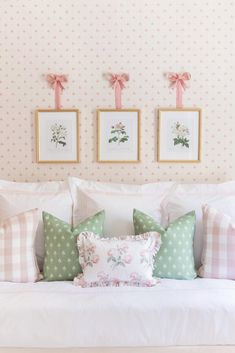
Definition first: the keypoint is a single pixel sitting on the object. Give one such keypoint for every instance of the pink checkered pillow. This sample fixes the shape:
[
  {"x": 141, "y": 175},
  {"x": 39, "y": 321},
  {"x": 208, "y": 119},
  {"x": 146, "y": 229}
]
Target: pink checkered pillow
[
  {"x": 218, "y": 257},
  {"x": 17, "y": 256}
]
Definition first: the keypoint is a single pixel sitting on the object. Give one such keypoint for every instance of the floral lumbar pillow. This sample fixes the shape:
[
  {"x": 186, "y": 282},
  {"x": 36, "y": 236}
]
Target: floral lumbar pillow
[
  {"x": 175, "y": 258},
  {"x": 218, "y": 256},
  {"x": 62, "y": 257},
  {"x": 125, "y": 260}
]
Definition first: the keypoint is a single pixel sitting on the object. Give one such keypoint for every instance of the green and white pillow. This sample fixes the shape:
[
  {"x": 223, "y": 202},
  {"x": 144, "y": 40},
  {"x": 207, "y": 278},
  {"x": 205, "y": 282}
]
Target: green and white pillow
[
  {"x": 61, "y": 253},
  {"x": 175, "y": 258}
]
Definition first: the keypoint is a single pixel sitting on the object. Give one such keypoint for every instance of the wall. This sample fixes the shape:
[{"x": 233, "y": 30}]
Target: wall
[{"x": 86, "y": 38}]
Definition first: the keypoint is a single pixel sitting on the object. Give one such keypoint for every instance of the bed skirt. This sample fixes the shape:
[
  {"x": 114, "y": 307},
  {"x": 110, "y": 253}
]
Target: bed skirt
[{"x": 178, "y": 349}]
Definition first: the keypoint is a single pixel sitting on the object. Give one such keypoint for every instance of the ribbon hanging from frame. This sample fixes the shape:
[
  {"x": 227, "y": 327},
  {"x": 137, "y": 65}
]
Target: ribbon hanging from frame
[
  {"x": 178, "y": 81},
  {"x": 117, "y": 82},
  {"x": 56, "y": 82}
]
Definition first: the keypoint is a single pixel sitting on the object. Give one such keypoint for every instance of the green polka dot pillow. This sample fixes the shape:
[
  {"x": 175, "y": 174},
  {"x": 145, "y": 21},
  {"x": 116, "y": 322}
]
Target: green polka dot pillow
[
  {"x": 175, "y": 258},
  {"x": 61, "y": 253}
]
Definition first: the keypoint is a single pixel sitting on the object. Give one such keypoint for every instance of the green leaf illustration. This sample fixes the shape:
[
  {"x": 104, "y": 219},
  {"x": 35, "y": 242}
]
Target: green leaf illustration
[{"x": 120, "y": 134}]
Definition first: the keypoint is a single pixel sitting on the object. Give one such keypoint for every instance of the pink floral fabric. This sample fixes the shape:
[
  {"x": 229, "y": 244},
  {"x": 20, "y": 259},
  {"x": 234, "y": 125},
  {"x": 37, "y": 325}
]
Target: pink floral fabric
[
  {"x": 218, "y": 258},
  {"x": 125, "y": 260}
]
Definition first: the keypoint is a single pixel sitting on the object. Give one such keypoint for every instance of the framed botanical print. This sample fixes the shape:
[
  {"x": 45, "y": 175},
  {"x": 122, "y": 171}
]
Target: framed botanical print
[
  {"x": 179, "y": 135},
  {"x": 57, "y": 134},
  {"x": 118, "y": 135}
]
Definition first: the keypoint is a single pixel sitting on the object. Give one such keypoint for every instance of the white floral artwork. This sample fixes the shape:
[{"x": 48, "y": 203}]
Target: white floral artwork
[
  {"x": 179, "y": 135},
  {"x": 57, "y": 136},
  {"x": 118, "y": 135}
]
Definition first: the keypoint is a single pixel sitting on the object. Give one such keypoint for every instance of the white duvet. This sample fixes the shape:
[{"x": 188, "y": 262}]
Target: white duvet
[{"x": 58, "y": 314}]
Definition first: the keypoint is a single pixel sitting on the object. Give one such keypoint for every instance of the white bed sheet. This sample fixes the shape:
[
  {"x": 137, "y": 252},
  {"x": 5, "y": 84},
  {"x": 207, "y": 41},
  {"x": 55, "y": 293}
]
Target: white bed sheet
[{"x": 58, "y": 314}]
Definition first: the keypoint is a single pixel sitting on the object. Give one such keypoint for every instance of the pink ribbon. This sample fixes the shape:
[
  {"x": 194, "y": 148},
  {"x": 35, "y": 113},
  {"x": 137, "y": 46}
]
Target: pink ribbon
[
  {"x": 177, "y": 80},
  {"x": 56, "y": 82},
  {"x": 117, "y": 82}
]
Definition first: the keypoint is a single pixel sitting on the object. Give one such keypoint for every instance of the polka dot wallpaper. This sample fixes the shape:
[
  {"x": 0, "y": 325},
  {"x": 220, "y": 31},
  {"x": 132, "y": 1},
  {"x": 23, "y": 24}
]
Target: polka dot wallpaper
[{"x": 87, "y": 38}]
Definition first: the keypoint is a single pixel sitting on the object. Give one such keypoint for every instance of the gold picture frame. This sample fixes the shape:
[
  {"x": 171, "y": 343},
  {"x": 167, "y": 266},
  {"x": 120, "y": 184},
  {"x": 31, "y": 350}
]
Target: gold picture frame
[
  {"x": 122, "y": 146},
  {"x": 57, "y": 143},
  {"x": 179, "y": 148}
]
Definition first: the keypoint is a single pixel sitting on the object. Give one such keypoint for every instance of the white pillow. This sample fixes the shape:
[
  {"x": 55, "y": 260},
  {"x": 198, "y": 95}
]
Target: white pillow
[
  {"x": 52, "y": 197},
  {"x": 126, "y": 260},
  {"x": 118, "y": 201},
  {"x": 191, "y": 197}
]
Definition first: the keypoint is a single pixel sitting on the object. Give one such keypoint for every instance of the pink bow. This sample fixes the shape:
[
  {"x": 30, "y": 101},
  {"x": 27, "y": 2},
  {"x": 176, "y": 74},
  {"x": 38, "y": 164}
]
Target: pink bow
[
  {"x": 117, "y": 81},
  {"x": 56, "y": 82},
  {"x": 178, "y": 80}
]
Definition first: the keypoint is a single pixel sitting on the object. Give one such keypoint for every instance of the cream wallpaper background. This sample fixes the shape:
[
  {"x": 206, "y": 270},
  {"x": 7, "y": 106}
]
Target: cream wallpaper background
[{"x": 146, "y": 38}]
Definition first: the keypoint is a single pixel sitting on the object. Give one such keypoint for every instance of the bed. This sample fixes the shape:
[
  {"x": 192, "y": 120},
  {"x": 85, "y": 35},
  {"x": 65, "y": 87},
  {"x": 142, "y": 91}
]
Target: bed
[{"x": 174, "y": 316}]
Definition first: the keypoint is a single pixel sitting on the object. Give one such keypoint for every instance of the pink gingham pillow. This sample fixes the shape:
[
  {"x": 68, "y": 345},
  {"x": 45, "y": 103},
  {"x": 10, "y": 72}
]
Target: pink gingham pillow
[
  {"x": 124, "y": 260},
  {"x": 218, "y": 257},
  {"x": 17, "y": 256}
]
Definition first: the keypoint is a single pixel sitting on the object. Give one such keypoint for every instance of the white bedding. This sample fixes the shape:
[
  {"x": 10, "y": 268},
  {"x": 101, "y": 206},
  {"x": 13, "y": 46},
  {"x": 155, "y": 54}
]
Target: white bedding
[{"x": 58, "y": 314}]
